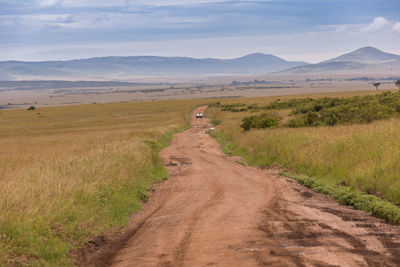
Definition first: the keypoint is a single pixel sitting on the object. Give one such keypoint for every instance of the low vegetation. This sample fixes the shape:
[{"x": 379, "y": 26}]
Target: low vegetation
[
  {"x": 329, "y": 111},
  {"x": 264, "y": 120},
  {"x": 70, "y": 173},
  {"x": 362, "y": 156}
]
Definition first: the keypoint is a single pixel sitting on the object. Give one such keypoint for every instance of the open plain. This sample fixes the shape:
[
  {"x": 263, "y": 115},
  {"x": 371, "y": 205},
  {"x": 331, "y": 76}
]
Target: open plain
[{"x": 22, "y": 94}]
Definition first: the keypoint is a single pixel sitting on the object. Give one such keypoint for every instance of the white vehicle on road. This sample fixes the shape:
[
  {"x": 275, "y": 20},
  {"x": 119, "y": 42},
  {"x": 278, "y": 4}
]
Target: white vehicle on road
[{"x": 199, "y": 115}]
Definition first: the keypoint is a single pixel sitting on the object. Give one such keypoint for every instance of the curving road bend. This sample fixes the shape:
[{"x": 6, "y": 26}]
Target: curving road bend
[{"x": 214, "y": 211}]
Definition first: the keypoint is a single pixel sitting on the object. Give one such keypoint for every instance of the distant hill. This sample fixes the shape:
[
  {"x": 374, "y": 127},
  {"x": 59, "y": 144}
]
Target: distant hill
[
  {"x": 366, "y": 55},
  {"x": 107, "y": 67},
  {"x": 363, "y": 60}
]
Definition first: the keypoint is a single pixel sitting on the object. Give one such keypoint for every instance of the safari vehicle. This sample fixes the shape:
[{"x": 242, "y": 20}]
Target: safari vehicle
[{"x": 199, "y": 115}]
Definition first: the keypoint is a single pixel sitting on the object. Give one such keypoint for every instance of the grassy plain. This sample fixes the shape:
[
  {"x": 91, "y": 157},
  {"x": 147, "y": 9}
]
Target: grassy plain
[
  {"x": 364, "y": 157},
  {"x": 70, "y": 173}
]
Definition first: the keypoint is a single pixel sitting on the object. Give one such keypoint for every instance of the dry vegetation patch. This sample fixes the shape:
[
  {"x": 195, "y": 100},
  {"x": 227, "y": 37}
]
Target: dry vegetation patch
[{"x": 70, "y": 173}]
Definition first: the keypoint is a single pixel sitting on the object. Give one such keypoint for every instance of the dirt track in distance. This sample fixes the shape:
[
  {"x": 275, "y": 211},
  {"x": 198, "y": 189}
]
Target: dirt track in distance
[{"x": 214, "y": 211}]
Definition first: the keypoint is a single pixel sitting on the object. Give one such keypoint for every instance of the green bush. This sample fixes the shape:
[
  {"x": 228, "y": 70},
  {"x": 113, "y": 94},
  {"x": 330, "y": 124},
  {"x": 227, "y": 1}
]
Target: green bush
[
  {"x": 261, "y": 121},
  {"x": 296, "y": 122},
  {"x": 311, "y": 118},
  {"x": 31, "y": 108}
]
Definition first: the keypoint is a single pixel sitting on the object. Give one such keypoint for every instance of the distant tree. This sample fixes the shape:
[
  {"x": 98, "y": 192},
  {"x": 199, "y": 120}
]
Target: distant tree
[
  {"x": 31, "y": 108},
  {"x": 397, "y": 83},
  {"x": 376, "y": 85}
]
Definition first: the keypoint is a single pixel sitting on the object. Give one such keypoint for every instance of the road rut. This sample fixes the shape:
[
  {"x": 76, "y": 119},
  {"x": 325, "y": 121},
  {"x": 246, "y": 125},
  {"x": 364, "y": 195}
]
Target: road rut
[{"x": 214, "y": 211}]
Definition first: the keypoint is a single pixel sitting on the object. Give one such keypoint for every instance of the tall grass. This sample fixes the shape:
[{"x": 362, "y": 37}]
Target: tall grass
[
  {"x": 362, "y": 156},
  {"x": 70, "y": 173}
]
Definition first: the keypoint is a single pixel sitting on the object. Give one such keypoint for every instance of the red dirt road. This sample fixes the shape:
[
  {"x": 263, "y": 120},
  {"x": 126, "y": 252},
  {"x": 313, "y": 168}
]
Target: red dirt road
[{"x": 214, "y": 211}]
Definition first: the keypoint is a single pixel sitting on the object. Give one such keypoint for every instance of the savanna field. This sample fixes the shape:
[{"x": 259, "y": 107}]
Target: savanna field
[{"x": 70, "y": 173}]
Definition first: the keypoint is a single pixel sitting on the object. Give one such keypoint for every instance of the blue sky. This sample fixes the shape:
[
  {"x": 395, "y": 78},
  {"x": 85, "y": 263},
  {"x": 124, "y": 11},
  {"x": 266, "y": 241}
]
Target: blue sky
[{"x": 308, "y": 30}]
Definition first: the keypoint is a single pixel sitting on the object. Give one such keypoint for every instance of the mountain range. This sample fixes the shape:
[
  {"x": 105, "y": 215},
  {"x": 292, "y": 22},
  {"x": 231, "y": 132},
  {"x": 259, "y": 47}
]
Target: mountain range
[
  {"x": 143, "y": 65},
  {"x": 366, "y": 59}
]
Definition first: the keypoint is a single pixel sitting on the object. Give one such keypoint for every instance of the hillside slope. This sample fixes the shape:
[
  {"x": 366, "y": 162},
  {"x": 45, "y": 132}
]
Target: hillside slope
[{"x": 363, "y": 60}]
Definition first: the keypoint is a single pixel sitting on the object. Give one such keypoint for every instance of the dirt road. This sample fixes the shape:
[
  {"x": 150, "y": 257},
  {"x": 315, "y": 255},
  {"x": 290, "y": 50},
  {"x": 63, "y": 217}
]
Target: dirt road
[{"x": 214, "y": 211}]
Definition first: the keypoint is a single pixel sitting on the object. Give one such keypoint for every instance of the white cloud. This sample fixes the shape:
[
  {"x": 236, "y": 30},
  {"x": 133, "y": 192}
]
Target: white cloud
[
  {"x": 93, "y": 3},
  {"x": 378, "y": 24},
  {"x": 396, "y": 27},
  {"x": 48, "y": 3}
]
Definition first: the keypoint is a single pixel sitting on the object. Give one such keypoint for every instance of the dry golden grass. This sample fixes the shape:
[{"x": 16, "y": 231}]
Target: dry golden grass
[{"x": 68, "y": 173}]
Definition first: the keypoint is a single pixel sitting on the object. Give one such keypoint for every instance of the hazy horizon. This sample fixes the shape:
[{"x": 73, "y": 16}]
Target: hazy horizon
[{"x": 295, "y": 30}]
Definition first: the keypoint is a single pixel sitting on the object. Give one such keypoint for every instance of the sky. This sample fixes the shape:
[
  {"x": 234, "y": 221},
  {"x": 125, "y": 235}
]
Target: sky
[{"x": 301, "y": 30}]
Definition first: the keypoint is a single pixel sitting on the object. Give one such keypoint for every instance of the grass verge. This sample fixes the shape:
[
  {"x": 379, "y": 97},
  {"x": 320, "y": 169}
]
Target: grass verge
[{"x": 346, "y": 196}]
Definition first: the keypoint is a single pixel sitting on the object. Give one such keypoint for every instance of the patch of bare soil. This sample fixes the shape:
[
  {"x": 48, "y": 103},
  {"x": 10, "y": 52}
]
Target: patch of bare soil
[{"x": 216, "y": 212}]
